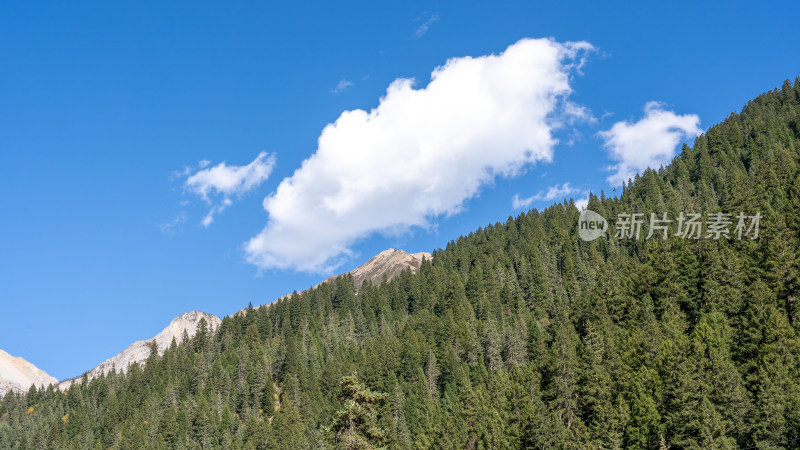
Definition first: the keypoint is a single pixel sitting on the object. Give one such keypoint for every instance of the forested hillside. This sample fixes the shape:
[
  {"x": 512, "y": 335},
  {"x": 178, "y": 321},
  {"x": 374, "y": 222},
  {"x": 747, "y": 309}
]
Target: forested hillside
[{"x": 518, "y": 335}]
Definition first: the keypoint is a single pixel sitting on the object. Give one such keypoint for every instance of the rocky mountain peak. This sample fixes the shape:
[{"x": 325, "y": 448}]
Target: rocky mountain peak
[
  {"x": 388, "y": 263},
  {"x": 17, "y": 374},
  {"x": 138, "y": 352}
]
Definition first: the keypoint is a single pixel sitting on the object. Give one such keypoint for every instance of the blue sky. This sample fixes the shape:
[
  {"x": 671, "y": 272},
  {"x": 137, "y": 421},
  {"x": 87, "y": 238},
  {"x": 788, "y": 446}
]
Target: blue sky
[{"x": 107, "y": 110}]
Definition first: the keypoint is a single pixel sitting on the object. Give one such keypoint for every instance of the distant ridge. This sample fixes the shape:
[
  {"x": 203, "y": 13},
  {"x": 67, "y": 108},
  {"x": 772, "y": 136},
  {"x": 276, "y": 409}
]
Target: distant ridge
[
  {"x": 17, "y": 375},
  {"x": 387, "y": 263},
  {"x": 140, "y": 350}
]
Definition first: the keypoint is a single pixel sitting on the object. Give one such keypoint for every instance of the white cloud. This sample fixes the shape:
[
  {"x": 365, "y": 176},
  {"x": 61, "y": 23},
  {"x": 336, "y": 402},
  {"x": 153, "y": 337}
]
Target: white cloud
[
  {"x": 175, "y": 225},
  {"x": 578, "y": 113},
  {"x": 342, "y": 86},
  {"x": 216, "y": 209},
  {"x": 650, "y": 142},
  {"x": 582, "y": 203},
  {"x": 186, "y": 170},
  {"x": 230, "y": 180},
  {"x": 553, "y": 193},
  {"x": 422, "y": 29},
  {"x": 420, "y": 154},
  {"x": 521, "y": 203},
  {"x": 224, "y": 181}
]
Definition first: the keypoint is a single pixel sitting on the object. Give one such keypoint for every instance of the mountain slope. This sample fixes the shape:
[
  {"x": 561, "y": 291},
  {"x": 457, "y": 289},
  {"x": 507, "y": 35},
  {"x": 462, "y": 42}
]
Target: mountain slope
[
  {"x": 139, "y": 351},
  {"x": 385, "y": 265},
  {"x": 17, "y": 374}
]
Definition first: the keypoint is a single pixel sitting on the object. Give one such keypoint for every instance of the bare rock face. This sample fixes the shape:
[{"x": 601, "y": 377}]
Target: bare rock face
[
  {"x": 18, "y": 375},
  {"x": 387, "y": 263},
  {"x": 139, "y": 351}
]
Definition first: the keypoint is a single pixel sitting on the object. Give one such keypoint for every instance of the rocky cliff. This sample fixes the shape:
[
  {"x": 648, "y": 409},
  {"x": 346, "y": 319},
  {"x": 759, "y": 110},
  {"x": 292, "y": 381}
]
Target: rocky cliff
[
  {"x": 386, "y": 264},
  {"x": 17, "y": 374},
  {"x": 140, "y": 350}
]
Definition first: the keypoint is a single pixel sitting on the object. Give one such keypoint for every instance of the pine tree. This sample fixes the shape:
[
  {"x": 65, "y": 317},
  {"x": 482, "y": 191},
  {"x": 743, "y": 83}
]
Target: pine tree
[{"x": 355, "y": 425}]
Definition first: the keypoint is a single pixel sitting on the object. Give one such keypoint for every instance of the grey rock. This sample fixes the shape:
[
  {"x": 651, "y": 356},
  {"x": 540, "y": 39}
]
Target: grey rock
[
  {"x": 139, "y": 351},
  {"x": 17, "y": 374}
]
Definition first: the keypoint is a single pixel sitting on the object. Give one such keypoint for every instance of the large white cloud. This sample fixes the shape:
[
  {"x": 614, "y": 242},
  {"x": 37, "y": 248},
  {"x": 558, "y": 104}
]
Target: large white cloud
[
  {"x": 650, "y": 142},
  {"x": 420, "y": 154},
  {"x": 226, "y": 181}
]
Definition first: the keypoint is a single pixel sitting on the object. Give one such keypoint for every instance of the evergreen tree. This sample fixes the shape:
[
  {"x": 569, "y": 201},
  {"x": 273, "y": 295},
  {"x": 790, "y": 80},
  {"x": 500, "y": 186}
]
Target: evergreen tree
[{"x": 355, "y": 425}]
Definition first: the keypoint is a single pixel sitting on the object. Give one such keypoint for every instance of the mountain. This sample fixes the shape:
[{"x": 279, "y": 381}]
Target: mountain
[
  {"x": 520, "y": 334},
  {"x": 385, "y": 265},
  {"x": 186, "y": 324},
  {"x": 17, "y": 374}
]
